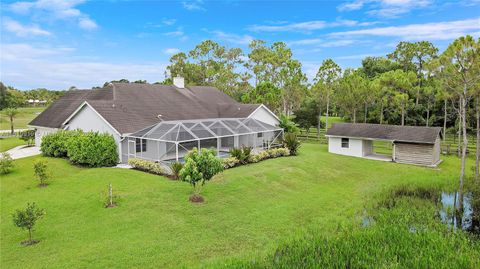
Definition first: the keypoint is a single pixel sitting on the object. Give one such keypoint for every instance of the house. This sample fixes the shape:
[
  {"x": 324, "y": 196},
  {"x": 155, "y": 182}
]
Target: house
[
  {"x": 161, "y": 122},
  {"x": 411, "y": 144}
]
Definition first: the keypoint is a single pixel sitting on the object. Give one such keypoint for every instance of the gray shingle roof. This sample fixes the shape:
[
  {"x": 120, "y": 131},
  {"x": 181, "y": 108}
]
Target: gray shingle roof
[
  {"x": 137, "y": 106},
  {"x": 412, "y": 134}
]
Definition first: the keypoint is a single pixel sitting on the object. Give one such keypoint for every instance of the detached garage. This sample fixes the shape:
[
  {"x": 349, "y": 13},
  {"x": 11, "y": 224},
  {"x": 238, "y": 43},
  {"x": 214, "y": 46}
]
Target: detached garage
[{"x": 411, "y": 144}]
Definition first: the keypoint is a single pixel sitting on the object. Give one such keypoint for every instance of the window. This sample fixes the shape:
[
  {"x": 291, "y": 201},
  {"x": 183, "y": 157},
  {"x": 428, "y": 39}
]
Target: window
[
  {"x": 140, "y": 145},
  {"x": 259, "y": 135},
  {"x": 345, "y": 142}
]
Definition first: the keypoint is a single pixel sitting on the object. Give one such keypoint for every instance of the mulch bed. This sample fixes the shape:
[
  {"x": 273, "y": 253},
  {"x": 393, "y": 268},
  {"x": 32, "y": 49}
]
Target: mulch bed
[
  {"x": 196, "y": 199},
  {"x": 29, "y": 242}
]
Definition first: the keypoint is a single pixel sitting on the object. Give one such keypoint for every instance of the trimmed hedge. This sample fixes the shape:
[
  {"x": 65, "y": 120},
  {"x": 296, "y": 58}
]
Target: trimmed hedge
[
  {"x": 91, "y": 149},
  {"x": 55, "y": 144},
  {"x": 147, "y": 166}
]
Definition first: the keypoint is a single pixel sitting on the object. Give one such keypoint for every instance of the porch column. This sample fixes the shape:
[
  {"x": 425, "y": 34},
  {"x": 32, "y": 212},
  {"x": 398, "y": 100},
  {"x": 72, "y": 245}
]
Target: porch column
[{"x": 218, "y": 147}]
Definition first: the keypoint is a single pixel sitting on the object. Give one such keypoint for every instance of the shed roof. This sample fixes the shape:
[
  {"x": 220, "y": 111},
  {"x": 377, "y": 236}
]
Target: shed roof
[
  {"x": 411, "y": 134},
  {"x": 129, "y": 107}
]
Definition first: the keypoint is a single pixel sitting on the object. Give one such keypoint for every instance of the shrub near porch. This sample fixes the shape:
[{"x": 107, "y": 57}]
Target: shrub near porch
[{"x": 248, "y": 210}]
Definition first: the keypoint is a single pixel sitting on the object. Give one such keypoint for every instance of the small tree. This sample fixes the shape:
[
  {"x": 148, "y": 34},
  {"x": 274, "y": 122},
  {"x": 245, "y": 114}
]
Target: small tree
[
  {"x": 291, "y": 142},
  {"x": 40, "y": 169},
  {"x": 199, "y": 168},
  {"x": 26, "y": 219},
  {"x": 111, "y": 200},
  {"x": 11, "y": 113},
  {"x": 6, "y": 163},
  {"x": 28, "y": 136}
]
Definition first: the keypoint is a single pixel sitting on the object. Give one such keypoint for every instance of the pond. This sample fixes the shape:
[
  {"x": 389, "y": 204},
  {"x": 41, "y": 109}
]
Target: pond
[{"x": 469, "y": 220}]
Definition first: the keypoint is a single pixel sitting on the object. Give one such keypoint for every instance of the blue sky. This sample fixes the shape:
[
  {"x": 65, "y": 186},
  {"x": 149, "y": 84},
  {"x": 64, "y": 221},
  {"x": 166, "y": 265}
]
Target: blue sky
[{"x": 57, "y": 44}]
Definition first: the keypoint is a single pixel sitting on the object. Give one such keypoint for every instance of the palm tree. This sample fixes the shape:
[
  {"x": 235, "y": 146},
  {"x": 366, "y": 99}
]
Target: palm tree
[{"x": 11, "y": 113}]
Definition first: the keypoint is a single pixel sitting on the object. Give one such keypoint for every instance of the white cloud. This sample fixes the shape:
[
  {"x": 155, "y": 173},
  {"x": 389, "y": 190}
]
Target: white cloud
[
  {"x": 294, "y": 27},
  {"x": 169, "y": 21},
  {"x": 427, "y": 31},
  {"x": 179, "y": 33},
  {"x": 19, "y": 51},
  {"x": 193, "y": 5},
  {"x": 385, "y": 8},
  {"x": 306, "y": 26},
  {"x": 175, "y": 33},
  {"x": 310, "y": 41},
  {"x": 26, "y": 67},
  {"x": 23, "y": 30},
  {"x": 56, "y": 10},
  {"x": 87, "y": 23},
  {"x": 318, "y": 42},
  {"x": 233, "y": 38},
  {"x": 171, "y": 51},
  {"x": 359, "y": 56}
]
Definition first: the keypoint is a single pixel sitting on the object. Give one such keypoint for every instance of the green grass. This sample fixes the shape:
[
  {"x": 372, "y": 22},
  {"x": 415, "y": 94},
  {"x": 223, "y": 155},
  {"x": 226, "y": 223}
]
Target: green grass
[
  {"x": 9, "y": 143},
  {"x": 248, "y": 210},
  {"x": 25, "y": 115}
]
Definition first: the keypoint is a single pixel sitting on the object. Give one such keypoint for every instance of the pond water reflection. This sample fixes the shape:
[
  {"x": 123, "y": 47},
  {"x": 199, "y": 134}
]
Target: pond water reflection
[{"x": 468, "y": 220}]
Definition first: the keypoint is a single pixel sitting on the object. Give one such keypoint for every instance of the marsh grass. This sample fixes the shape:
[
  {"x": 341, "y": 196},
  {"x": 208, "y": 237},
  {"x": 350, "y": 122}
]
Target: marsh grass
[{"x": 403, "y": 232}]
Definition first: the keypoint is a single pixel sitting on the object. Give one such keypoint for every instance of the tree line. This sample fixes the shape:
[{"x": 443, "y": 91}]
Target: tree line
[
  {"x": 415, "y": 84},
  {"x": 10, "y": 97}
]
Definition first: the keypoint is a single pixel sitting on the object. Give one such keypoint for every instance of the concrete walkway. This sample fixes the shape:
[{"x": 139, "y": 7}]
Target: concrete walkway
[{"x": 23, "y": 151}]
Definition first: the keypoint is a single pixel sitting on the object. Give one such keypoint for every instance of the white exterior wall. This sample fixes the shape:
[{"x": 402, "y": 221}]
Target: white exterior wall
[
  {"x": 263, "y": 115},
  {"x": 40, "y": 132},
  {"x": 88, "y": 119},
  {"x": 355, "y": 147}
]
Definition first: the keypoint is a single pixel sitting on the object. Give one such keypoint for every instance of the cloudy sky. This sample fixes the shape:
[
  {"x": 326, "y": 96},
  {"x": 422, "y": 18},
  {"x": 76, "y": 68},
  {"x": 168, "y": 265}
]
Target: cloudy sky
[{"x": 57, "y": 44}]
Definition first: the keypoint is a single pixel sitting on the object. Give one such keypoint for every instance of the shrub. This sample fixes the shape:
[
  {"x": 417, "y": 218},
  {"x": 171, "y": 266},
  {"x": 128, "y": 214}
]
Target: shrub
[
  {"x": 27, "y": 218},
  {"x": 55, "y": 144},
  {"x": 230, "y": 162},
  {"x": 28, "y": 136},
  {"x": 176, "y": 167},
  {"x": 241, "y": 154},
  {"x": 6, "y": 163},
  {"x": 199, "y": 168},
  {"x": 92, "y": 149},
  {"x": 40, "y": 170},
  {"x": 291, "y": 142},
  {"x": 147, "y": 166},
  {"x": 247, "y": 151},
  {"x": 277, "y": 152}
]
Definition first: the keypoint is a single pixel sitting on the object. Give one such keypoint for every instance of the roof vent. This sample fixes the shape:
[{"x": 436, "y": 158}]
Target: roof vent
[{"x": 179, "y": 82}]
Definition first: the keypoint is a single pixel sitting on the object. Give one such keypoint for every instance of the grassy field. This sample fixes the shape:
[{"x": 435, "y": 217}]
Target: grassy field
[
  {"x": 24, "y": 116},
  {"x": 248, "y": 211},
  {"x": 9, "y": 143}
]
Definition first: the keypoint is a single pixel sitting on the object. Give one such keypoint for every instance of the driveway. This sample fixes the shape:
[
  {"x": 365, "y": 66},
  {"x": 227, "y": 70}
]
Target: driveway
[{"x": 23, "y": 151}]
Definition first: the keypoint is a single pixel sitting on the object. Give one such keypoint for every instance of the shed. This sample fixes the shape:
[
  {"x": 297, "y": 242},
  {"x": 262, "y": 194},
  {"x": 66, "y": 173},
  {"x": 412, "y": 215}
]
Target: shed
[{"x": 411, "y": 144}]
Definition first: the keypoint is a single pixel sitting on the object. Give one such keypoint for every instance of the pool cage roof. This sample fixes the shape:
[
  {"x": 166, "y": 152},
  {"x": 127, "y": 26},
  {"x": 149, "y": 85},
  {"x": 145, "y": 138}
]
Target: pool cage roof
[{"x": 192, "y": 130}]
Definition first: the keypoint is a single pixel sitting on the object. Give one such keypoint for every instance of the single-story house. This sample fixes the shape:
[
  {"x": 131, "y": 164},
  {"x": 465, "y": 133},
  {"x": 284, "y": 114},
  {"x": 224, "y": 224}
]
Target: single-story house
[
  {"x": 162, "y": 122},
  {"x": 411, "y": 144}
]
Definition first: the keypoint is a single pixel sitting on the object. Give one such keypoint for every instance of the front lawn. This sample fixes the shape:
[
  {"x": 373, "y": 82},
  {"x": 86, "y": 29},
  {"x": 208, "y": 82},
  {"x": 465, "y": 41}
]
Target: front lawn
[
  {"x": 10, "y": 143},
  {"x": 248, "y": 211}
]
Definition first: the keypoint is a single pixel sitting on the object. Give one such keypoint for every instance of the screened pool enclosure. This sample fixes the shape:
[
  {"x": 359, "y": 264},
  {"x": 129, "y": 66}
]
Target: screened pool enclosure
[{"x": 169, "y": 141}]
